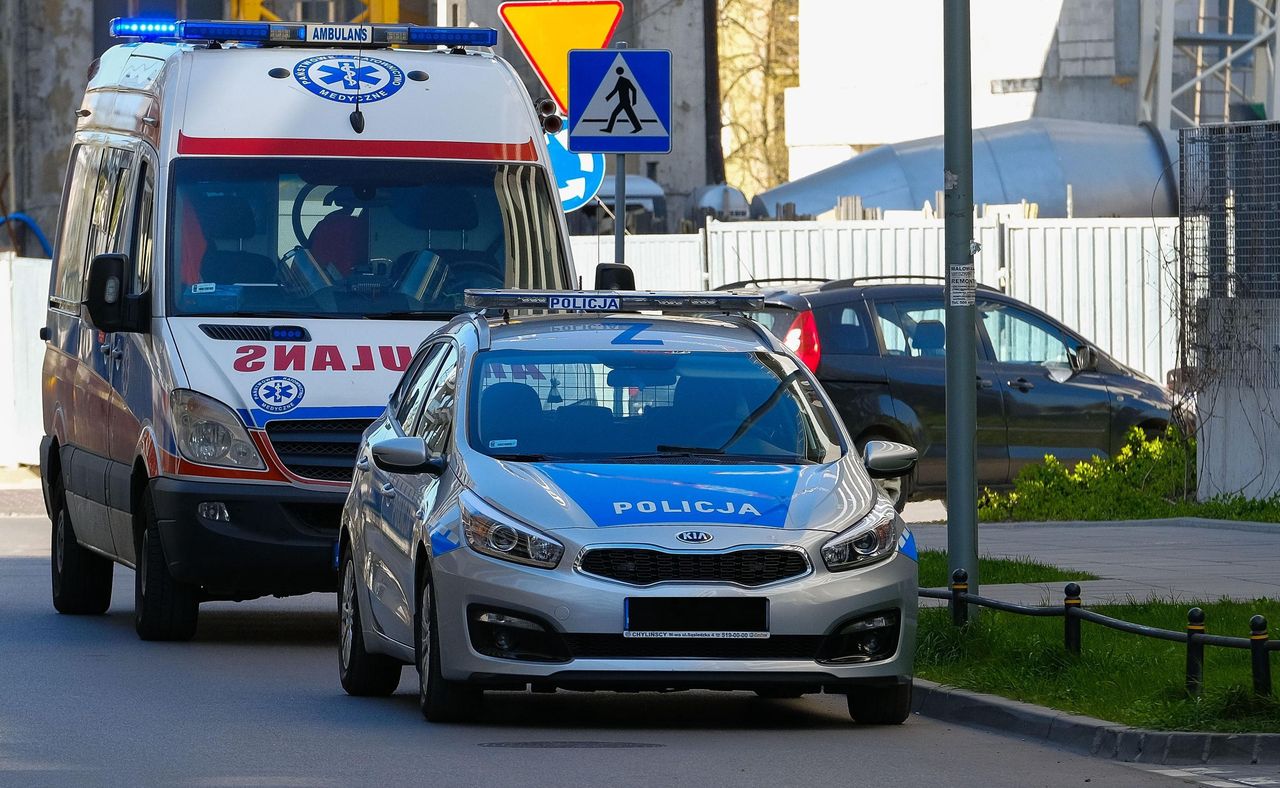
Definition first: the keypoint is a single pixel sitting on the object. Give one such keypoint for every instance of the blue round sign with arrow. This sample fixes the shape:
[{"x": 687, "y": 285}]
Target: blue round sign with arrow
[{"x": 578, "y": 175}]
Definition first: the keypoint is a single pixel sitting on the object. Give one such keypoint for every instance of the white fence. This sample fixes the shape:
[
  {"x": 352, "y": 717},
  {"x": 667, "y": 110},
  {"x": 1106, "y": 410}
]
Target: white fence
[
  {"x": 1113, "y": 280},
  {"x": 24, "y": 283}
]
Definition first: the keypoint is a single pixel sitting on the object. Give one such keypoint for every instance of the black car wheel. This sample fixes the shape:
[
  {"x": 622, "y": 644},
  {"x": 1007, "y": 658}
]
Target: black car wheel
[
  {"x": 360, "y": 672},
  {"x": 164, "y": 608},
  {"x": 81, "y": 578},
  {"x": 881, "y": 705},
  {"x": 441, "y": 700}
]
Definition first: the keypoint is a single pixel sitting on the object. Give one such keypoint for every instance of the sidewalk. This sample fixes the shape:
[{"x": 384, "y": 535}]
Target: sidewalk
[
  {"x": 20, "y": 494},
  {"x": 1178, "y": 560}
]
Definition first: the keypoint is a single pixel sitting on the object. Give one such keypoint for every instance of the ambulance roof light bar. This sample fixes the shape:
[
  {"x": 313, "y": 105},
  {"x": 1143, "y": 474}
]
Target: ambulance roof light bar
[
  {"x": 613, "y": 301},
  {"x": 302, "y": 33}
]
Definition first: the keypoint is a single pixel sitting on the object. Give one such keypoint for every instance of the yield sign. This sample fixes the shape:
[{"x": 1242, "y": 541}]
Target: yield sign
[{"x": 546, "y": 30}]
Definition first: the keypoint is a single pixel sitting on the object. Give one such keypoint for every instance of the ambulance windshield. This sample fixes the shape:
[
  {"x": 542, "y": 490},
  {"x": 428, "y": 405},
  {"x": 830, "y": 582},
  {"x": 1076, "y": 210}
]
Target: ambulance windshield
[{"x": 356, "y": 238}]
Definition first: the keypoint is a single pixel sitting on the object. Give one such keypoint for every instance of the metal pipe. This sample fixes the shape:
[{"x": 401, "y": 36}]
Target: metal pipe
[{"x": 962, "y": 358}]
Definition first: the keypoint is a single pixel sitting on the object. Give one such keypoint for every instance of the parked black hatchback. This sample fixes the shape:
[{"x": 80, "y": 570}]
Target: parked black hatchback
[{"x": 878, "y": 345}]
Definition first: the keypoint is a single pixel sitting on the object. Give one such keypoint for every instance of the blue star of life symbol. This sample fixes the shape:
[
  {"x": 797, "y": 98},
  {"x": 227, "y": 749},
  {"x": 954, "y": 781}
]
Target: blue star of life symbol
[
  {"x": 278, "y": 392},
  {"x": 349, "y": 74}
]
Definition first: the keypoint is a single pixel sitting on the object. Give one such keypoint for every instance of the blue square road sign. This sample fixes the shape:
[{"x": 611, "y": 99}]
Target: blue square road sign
[{"x": 620, "y": 101}]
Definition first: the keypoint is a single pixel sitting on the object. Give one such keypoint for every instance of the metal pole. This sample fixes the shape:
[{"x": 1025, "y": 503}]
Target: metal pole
[
  {"x": 619, "y": 208},
  {"x": 962, "y": 359}
]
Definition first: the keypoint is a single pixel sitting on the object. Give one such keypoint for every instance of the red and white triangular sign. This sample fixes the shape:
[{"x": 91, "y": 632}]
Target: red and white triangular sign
[{"x": 545, "y": 31}]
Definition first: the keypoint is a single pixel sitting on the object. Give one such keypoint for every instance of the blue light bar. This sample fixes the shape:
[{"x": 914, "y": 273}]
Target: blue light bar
[
  {"x": 452, "y": 36},
  {"x": 141, "y": 27},
  {"x": 202, "y": 30},
  {"x": 613, "y": 300}
]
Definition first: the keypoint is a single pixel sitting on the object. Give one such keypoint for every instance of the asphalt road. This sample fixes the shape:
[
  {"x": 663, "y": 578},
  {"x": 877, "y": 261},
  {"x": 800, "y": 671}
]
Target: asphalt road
[{"x": 255, "y": 701}]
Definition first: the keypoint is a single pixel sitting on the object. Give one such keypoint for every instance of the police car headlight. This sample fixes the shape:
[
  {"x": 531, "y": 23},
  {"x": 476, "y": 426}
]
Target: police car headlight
[
  {"x": 498, "y": 536},
  {"x": 872, "y": 538},
  {"x": 209, "y": 433}
]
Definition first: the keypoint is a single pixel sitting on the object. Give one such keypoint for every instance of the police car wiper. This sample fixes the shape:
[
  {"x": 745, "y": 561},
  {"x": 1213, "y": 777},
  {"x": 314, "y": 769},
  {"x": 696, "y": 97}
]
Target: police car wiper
[{"x": 411, "y": 315}]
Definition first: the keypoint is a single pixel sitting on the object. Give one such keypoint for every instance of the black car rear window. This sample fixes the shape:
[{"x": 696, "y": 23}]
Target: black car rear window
[{"x": 842, "y": 328}]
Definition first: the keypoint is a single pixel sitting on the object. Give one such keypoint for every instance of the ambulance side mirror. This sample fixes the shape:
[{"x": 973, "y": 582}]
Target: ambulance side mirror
[
  {"x": 615, "y": 276},
  {"x": 110, "y": 307}
]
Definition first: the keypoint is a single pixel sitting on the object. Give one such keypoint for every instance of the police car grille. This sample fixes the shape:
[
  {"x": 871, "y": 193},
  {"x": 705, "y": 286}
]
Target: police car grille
[
  {"x": 645, "y": 567},
  {"x": 324, "y": 450},
  {"x": 582, "y": 646}
]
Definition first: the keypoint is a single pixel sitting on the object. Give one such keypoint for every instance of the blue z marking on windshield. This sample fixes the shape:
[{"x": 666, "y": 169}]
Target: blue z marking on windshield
[{"x": 628, "y": 336}]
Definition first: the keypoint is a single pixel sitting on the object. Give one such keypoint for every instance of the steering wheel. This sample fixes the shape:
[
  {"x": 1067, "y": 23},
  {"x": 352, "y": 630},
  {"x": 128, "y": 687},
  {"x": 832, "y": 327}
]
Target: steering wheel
[{"x": 296, "y": 215}]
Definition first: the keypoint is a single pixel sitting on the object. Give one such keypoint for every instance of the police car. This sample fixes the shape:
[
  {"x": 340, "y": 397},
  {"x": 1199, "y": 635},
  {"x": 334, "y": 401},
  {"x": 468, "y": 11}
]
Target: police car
[{"x": 610, "y": 494}]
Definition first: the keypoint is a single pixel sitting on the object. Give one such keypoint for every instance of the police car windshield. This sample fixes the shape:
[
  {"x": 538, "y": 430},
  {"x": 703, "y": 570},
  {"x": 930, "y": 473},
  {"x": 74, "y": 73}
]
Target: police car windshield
[
  {"x": 355, "y": 238},
  {"x": 647, "y": 406}
]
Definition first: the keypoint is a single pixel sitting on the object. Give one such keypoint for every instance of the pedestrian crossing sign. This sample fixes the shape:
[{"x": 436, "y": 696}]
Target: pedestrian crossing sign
[{"x": 620, "y": 101}]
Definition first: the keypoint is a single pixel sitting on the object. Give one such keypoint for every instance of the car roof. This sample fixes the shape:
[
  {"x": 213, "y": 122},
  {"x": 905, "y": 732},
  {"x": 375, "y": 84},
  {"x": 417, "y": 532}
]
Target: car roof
[
  {"x": 805, "y": 294},
  {"x": 628, "y": 331}
]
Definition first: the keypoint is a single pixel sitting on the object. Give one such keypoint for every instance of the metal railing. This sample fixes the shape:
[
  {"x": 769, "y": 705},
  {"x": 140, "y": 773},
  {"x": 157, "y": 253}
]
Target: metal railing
[{"x": 1072, "y": 612}]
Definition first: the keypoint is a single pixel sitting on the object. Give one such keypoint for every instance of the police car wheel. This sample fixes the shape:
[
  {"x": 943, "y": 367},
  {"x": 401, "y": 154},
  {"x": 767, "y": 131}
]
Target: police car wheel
[
  {"x": 164, "y": 608},
  {"x": 881, "y": 705},
  {"x": 441, "y": 700},
  {"x": 360, "y": 672},
  {"x": 81, "y": 579}
]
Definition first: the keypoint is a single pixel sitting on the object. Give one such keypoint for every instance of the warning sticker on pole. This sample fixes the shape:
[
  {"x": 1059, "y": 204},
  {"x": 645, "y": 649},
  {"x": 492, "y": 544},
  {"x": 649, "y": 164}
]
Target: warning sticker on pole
[{"x": 960, "y": 285}]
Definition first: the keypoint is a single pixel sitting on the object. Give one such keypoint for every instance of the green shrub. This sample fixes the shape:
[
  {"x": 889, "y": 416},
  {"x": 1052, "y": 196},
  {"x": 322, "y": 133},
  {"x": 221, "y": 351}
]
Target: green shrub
[{"x": 1148, "y": 478}]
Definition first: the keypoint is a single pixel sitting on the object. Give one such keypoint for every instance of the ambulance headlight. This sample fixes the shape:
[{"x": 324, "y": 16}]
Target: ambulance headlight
[
  {"x": 871, "y": 539},
  {"x": 498, "y": 536},
  {"x": 209, "y": 433}
]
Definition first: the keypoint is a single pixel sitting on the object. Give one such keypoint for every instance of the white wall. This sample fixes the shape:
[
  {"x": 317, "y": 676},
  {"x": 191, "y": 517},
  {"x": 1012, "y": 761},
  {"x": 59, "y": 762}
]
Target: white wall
[{"x": 24, "y": 282}]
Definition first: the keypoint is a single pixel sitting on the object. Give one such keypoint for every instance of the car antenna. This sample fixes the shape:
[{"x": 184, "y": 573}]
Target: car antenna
[{"x": 357, "y": 117}]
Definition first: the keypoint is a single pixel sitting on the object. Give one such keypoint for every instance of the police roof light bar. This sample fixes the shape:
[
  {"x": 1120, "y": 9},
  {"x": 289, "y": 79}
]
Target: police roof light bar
[
  {"x": 301, "y": 33},
  {"x": 613, "y": 301}
]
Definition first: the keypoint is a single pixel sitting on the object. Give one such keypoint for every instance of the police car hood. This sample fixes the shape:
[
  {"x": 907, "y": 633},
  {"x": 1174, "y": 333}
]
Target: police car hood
[
  {"x": 558, "y": 496},
  {"x": 301, "y": 368}
]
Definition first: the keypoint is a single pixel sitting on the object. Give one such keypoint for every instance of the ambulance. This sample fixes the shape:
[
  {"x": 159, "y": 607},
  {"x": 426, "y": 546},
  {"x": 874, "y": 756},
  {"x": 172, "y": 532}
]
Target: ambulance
[{"x": 261, "y": 222}]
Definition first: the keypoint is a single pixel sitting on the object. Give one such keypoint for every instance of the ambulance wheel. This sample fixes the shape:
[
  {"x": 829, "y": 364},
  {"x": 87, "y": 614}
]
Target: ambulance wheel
[
  {"x": 441, "y": 700},
  {"x": 881, "y": 705},
  {"x": 81, "y": 578},
  {"x": 361, "y": 673},
  {"x": 164, "y": 608}
]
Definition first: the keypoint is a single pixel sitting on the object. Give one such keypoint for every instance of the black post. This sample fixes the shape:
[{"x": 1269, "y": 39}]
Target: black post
[
  {"x": 1070, "y": 622},
  {"x": 1195, "y": 652},
  {"x": 959, "y": 608},
  {"x": 1261, "y": 660}
]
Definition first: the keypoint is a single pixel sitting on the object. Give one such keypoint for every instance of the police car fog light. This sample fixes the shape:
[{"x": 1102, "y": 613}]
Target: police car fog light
[
  {"x": 213, "y": 510},
  {"x": 867, "y": 639},
  {"x": 512, "y": 636}
]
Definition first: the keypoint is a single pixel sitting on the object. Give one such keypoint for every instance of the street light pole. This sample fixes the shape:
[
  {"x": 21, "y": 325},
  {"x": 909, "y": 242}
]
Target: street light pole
[{"x": 962, "y": 373}]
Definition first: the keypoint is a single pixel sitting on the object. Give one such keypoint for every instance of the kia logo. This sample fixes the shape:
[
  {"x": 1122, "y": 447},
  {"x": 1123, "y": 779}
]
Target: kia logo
[{"x": 694, "y": 537}]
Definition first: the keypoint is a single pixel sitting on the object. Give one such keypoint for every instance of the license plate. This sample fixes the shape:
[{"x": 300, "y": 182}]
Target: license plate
[{"x": 679, "y": 617}]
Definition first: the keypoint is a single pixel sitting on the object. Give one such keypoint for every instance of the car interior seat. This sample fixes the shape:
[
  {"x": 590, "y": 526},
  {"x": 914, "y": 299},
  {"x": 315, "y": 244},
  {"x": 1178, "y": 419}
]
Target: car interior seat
[
  {"x": 930, "y": 338},
  {"x": 227, "y": 220},
  {"x": 341, "y": 238},
  {"x": 510, "y": 412}
]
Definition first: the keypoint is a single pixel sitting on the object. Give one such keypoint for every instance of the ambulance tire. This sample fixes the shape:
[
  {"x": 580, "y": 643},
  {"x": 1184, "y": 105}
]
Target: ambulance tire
[
  {"x": 881, "y": 705},
  {"x": 362, "y": 674},
  {"x": 81, "y": 578},
  {"x": 440, "y": 699},
  {"x": 164, "y": 608}
]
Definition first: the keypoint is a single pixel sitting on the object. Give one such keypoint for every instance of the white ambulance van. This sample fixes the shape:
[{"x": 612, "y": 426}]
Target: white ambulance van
[{"x": 260, "y": 224}]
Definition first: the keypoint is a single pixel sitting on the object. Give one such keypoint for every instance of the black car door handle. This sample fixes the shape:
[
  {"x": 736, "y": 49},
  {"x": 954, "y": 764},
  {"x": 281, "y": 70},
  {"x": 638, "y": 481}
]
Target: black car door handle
[
  {"x": 1021, "y": 384},
  {"x": 983, "y": 383}
]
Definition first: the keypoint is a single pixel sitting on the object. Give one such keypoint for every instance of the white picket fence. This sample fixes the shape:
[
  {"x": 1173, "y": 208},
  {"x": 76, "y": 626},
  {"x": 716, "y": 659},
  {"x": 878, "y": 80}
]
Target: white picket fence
[
  {"x": 24, "y": 288},
  {"x": 1113, "y": 280}
]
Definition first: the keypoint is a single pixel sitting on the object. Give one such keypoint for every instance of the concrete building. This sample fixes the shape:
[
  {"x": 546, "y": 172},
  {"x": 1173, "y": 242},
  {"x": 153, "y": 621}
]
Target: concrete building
[{"x": 871, "y": 73}]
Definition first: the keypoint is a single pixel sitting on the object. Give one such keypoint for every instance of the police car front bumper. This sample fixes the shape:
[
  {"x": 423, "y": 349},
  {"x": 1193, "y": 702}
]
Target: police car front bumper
[{"x": 583, "y": 644}]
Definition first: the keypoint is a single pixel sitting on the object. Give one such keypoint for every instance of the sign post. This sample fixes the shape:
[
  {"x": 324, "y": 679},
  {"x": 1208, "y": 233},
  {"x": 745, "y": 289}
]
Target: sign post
[
  {"x": 962, "y": 490},
  {"x": 620, "y": 103}
]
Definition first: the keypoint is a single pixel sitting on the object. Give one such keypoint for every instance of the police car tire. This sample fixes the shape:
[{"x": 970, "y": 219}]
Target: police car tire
[
  {"x": 164, "y": 608},
  {"x": 81, "y": 579},
  {"x": 441, "y": 700},
  {"x": 881, "y": 705},
  {"x": 362, "y": 674}
]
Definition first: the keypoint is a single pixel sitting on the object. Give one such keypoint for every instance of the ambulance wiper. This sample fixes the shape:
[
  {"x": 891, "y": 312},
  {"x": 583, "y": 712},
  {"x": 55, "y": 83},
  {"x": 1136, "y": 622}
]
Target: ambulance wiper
[{"x": 411, "y": 315}]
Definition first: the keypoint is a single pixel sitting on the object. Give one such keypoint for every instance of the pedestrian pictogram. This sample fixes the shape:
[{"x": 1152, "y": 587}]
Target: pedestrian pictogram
[
  {"x": 620, "y": 101},
  {"x": 547, "y": 31},
  {"x": 578, "y": 175}
]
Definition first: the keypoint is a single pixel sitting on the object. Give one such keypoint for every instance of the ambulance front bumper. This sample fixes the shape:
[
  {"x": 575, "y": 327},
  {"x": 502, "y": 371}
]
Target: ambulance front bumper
[{"x": 274, "y": 540}]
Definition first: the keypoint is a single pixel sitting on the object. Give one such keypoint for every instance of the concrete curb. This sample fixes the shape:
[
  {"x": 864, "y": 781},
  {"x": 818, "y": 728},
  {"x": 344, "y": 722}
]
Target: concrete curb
[{"x": 1090, "y": 736}]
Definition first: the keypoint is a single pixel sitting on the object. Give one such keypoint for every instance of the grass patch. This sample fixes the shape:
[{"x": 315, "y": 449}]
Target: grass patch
[
  {"x": 1147, "y": 479},
  {"x": 994, "y": 571},
  {"x": 1119, "y": 677}
]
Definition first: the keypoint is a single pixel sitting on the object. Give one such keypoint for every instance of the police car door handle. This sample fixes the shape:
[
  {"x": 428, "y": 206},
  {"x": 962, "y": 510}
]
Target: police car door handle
[
  {"x": 362, "y": 464},
  {"x": 389, "y": 490},
  {"x": 420, "y": 515},
  {"x": 105, "y": 348}
]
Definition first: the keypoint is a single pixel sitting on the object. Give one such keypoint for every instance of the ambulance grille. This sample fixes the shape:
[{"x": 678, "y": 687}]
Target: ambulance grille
[
  {"x": 324, "y": 450},
  {"x": 641, "y": 567},
  {"x": 237, "y": 333}
]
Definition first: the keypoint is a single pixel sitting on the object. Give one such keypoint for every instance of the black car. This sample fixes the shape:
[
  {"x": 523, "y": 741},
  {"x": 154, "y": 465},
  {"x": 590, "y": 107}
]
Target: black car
[{"x": 878, "y": 345}]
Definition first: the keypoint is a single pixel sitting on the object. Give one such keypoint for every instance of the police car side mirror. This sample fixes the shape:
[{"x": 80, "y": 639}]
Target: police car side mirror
[
  {"x": 888, "y": 460},
  {"x": 615, "y": 276},
  {"x": 110, "y": 307},
  {"x": 405, "y": 456}
]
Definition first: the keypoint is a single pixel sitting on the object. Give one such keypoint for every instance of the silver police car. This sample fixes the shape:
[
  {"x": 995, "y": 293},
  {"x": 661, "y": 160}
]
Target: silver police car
[{"x": 612, "y": 495}]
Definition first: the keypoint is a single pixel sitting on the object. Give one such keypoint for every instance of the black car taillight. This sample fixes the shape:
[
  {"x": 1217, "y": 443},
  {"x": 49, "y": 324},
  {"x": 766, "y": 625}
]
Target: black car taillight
[{"x": 802, "y": 338}]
